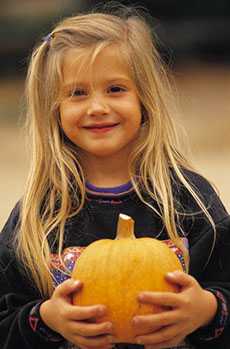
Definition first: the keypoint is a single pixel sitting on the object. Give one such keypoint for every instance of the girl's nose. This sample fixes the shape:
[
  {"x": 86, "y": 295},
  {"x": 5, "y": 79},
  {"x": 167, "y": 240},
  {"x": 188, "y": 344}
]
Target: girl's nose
[{"x": 98, "y": 106}]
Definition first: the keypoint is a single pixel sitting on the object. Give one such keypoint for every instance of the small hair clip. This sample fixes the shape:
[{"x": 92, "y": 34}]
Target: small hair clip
[{"x": 47, "y": 38}]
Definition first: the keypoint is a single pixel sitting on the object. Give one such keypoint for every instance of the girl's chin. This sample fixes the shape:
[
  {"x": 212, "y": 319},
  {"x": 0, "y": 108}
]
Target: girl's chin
[
  {"x": 103, "y": 154},
  {"x": 99, "y": 153}
]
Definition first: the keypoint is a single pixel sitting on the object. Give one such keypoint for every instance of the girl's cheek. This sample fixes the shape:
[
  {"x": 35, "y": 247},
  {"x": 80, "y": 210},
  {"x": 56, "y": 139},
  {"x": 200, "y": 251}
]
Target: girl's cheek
[{"x": 69, "y": 112}]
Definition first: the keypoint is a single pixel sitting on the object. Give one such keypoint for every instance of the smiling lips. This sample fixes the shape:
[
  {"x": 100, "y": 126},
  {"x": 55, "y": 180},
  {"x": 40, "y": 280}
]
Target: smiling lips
[{"x": 100, "y": 127}]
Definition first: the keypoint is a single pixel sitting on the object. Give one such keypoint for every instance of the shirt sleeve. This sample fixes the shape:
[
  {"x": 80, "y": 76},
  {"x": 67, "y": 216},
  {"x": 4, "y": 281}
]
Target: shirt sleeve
[
  {"x": 209, "y": 252},
  {"x": 213, "y": 273},
  {"x": 38, "y": 326},
  {"x": 217, "y": 326},
  {"x": 15, "y": 308},
  {"x": 17, "y": 298}
]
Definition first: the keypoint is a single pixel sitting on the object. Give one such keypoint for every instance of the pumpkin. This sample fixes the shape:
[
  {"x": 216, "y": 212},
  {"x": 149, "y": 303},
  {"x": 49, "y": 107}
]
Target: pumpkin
[{"x": 114, "y": 272}]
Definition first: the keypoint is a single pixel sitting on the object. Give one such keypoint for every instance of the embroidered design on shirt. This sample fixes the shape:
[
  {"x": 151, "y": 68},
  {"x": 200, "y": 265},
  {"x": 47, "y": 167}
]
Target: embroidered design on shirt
[{"x": 61, "y": 270}]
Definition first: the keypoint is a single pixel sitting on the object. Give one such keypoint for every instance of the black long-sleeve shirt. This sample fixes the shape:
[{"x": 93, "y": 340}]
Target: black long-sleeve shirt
[{"x": 97, "y": 220}]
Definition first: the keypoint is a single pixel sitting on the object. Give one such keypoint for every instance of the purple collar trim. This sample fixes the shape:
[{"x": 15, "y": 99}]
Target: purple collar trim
[{"x": 113, "y": 190}]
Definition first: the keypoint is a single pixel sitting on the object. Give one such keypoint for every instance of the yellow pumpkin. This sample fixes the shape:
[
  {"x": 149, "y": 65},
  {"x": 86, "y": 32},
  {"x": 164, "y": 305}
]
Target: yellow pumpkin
[{"x": 114, "y": 272}]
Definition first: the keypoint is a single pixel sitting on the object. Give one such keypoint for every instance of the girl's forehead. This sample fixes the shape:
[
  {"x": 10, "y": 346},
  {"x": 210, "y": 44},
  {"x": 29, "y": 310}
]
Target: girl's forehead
[{"x": 84, "y": 64}]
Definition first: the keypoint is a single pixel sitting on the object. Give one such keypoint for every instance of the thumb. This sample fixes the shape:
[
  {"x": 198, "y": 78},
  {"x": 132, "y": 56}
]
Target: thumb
[
  {"x": 66, "y": 288},
  {"x": 180, "y": 278}
]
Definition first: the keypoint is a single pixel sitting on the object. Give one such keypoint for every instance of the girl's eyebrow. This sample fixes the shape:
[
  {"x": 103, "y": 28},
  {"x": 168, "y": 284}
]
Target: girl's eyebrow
[
  {"x": 72, "y": 85},
  {"x": 118, "y": 78}
]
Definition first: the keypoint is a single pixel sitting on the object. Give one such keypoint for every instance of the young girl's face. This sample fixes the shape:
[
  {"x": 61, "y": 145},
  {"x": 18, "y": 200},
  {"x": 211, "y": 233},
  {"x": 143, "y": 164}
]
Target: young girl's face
[{"x": 100, "y": 111}]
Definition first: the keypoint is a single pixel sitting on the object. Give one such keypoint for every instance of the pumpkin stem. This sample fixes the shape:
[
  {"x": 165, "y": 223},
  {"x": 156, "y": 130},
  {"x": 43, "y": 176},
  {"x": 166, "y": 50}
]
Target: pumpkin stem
[{"x": 125, "y": 227}]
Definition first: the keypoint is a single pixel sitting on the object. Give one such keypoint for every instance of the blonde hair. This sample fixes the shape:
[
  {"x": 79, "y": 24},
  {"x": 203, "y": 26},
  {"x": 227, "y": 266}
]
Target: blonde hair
[{"x": 55, "y": 188}]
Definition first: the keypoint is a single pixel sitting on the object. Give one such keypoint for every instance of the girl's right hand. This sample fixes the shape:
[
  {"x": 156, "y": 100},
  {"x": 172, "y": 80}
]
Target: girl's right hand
[{"x": 76, "y": 324}]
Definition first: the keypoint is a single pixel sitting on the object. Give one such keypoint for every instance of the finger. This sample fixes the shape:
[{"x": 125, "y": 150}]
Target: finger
[
  {"x": 165, "y": 334},
  {"x": 180, "y": 278},
  {"x": 93, "y": 342},
  {"x": 150, "y": 323},
  {"x": 91, "y": 330},
  {"x": 66, "y": 288},
  {"x": 107, "y": 346},
  {"x": 87, "y": 312},
  {"x": 165, "y": 299}
]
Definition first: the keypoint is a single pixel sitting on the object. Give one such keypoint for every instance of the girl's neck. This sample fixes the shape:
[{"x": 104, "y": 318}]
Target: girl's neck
[{"x": 104, "y": 172}]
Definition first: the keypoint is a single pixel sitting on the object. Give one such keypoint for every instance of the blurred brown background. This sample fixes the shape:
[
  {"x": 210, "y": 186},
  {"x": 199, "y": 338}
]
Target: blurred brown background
[{"x": 194, "y": 41}]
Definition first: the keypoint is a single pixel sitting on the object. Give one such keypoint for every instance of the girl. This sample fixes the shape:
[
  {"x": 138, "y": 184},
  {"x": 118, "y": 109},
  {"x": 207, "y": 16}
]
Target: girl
[{"x": 104, "y": 142}]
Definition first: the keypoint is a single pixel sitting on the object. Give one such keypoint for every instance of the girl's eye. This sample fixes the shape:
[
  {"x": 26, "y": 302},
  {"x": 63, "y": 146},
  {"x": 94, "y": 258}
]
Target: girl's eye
[
  {"x": 79, "y": 92},
  {"x": 116, "y": 89}
]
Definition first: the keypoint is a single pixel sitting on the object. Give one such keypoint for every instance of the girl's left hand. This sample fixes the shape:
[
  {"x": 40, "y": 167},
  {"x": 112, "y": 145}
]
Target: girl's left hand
[{"x": 184, "y": 312}]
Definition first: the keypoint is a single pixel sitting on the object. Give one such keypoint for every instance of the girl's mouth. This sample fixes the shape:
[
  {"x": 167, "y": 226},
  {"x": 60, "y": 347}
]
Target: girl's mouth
[{"x": 101, "y": 128}]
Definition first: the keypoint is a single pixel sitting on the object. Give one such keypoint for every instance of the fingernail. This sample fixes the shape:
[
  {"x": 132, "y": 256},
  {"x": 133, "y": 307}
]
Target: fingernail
[
  {"x": 76, "y": 282},
  {"x": 111, "y": 339},
  {"x": 109, "y": 326},
  {"x": 141, "y": 297},
  {"x": 171, "y": 274},
  {"x": 102, "y": 310}
]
